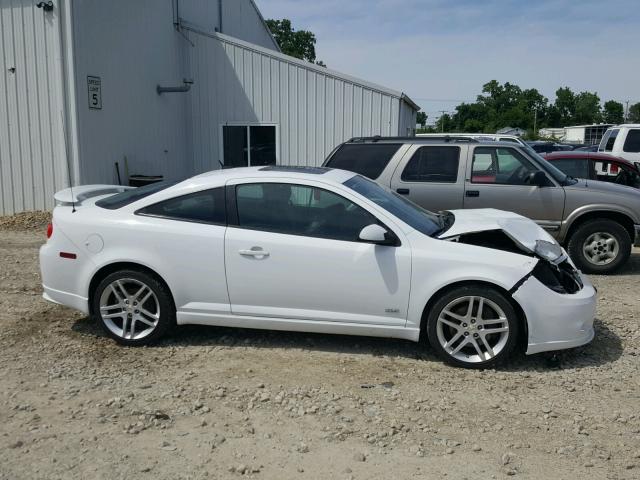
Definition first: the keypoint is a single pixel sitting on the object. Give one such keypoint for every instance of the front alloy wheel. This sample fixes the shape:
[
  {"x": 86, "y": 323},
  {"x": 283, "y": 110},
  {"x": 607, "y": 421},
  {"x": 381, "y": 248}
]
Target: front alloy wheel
[
  {"x": 473, "y": 327},
  {"x": 133, "y": 307}
]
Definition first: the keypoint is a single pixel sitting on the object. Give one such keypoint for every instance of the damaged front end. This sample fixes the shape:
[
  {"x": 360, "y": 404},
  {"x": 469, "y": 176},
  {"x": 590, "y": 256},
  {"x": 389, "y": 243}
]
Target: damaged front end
[{"x": 513, "y": 233}]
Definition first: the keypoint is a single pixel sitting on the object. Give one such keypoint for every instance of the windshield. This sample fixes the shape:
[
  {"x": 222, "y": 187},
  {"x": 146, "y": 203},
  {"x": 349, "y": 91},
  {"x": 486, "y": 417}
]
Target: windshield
[
  {"x": 422, "y": 220},
  {"x": 558, "y": 175},
  {"x": 129, "y": 196}
]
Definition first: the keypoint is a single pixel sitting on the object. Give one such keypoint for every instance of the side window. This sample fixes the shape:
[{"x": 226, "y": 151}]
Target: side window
[
  {"x": 433, "y": 164},
  {"x": 366, "y": 159},
  {"x": 207, "y": 206},
  {"x": 300, "y": 210},
  {"x": 632, "y": 142},
  {"x": 500, "y": 165},
  {"x": 575, "y": 167},
  {"x": 611, "y": 140}
]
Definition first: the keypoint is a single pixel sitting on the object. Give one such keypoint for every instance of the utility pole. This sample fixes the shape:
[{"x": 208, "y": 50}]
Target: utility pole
[
  {"x": 441, "y": 120},
  {"x": 535, "y": 120},
  {"x": 626, "y": 112}
]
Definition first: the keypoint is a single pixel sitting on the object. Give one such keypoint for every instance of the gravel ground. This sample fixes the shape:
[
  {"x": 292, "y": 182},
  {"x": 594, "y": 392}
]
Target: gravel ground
[{"x": 224, "y": 403}]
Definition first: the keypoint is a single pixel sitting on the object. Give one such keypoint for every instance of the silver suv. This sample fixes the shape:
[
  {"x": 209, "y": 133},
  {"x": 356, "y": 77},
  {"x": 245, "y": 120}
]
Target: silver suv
[{"x": 597, "y": 221}]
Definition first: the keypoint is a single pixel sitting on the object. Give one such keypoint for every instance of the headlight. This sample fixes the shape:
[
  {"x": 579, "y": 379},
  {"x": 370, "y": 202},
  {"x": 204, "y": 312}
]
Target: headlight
[{"x": 549, "y": 251}]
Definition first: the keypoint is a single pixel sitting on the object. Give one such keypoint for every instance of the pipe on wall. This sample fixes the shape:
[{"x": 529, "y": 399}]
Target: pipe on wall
[{"x": 184, "y": 88}]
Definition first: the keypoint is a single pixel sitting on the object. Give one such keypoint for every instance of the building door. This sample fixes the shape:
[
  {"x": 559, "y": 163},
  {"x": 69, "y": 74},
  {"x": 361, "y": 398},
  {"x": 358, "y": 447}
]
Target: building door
[{"x": 249, "y": 145}]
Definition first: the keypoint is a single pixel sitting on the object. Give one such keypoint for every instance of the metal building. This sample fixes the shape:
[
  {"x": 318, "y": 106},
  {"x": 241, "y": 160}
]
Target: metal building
[{"x": 83, "y": 85}]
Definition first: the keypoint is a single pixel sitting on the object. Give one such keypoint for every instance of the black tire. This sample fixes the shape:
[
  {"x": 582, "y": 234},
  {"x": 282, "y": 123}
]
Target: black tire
[
  {"x": 585, "y": 232},
  {"x": 505, "y": 344},
  {"x": 161, "y": 297}
]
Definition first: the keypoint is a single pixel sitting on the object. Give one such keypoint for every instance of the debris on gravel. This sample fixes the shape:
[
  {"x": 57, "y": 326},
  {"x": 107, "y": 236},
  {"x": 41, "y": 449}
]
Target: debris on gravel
[{"x": 25, "y": 220}]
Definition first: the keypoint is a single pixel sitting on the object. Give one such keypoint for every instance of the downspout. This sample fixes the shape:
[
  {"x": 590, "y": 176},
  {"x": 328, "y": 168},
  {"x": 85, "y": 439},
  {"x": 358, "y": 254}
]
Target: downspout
[
  {"x": 69, "y": 92},
  {"x": 220, "y": 16}
]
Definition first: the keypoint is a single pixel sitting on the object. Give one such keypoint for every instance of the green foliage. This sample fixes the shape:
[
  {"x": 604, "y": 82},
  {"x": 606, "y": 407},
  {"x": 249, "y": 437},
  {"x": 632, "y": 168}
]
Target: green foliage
[
  {"x": 421, "y": 118},
  {"x": 507, "y": 105},
  {"x": 613, "y": 112},
  {"x": 297, "y": 43},
  {"x": 634, "y": 113}
]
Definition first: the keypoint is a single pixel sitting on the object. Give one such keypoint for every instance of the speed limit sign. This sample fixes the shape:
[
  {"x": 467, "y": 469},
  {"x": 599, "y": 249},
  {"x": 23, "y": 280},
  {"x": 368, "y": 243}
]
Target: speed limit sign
[{"x": 94, "y": 86}]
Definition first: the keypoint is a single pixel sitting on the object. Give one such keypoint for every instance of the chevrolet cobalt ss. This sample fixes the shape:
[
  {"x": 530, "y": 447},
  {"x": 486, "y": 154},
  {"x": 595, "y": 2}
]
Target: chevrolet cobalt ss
[{"x": 314, "y": 250}]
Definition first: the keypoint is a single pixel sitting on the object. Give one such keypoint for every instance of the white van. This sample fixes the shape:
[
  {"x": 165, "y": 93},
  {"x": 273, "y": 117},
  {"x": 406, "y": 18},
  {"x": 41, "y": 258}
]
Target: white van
[{"x": 622, "y": 141}]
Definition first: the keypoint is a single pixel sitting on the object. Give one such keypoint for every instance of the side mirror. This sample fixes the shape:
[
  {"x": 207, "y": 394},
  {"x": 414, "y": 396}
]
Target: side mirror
[
  {"x": 538, "y": 178},
  {"x": 377, "y": 234}
]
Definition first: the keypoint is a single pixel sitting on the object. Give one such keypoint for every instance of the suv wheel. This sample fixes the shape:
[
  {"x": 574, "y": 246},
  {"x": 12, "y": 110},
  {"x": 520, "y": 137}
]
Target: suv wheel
[
  {"x": 600, "y": 246},
  {"x": 473, "y": 327}
]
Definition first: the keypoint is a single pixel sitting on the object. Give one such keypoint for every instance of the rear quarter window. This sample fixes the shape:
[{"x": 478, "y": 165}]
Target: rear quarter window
[
  {"x": 368, "y": 160},
  {"x": 207, "y": 206}
]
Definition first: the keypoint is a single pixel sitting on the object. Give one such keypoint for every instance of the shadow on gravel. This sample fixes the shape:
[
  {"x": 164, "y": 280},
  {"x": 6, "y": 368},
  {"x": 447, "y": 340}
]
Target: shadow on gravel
[
  {"x": 605, "y": 348},
  {"x": 632, "y": 267}
]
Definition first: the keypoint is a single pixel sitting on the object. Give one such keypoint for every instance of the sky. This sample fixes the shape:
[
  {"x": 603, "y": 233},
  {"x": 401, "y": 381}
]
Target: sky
[{"x": 441, "y": 52}]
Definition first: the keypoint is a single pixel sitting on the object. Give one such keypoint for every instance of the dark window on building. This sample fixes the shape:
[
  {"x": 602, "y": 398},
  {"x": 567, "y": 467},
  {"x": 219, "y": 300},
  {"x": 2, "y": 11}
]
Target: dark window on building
[
  {"x": 207, "y": 206},
  {"x": 125, "y": 198},
  {"x": 433, "y": 164},
  {"x": 249, "y": 145},
  {"x": 574, "y": 167},
  {"x": 632, "y": 142},
  {"x": 366, "y": 159},
  {"x": 300, "y": 210}
]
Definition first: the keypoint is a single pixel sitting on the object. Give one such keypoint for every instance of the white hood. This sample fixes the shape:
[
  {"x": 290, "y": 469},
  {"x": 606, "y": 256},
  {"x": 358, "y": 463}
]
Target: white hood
[{"x": 520, "y": 229}]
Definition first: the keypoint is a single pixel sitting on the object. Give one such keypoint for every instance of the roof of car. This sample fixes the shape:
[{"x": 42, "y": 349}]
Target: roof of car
[
  {"x": 583, "y": 154},
  {"x": 222, "y": 176}
]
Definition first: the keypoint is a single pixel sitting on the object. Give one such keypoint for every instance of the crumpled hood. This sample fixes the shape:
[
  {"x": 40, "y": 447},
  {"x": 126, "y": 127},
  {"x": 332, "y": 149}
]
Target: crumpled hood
[{"x": 520, "y": 229}]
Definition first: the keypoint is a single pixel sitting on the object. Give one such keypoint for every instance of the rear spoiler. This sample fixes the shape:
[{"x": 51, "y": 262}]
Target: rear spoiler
[{"x": 77, "y": 195}]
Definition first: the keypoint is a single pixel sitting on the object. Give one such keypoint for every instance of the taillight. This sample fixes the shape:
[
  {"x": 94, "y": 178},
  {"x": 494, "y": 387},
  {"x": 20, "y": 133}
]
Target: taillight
[{"x": 49, "y": 230}]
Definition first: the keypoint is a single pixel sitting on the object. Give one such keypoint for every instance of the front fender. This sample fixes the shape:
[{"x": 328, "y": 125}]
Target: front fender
[
  {"x": 596, "y": 207},
  {"x": 449, "y": 263}
]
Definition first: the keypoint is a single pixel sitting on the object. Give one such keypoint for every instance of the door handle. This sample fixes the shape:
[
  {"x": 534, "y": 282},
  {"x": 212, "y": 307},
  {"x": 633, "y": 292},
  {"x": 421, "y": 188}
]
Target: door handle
[
  {"x": 472, "y": 193},
  {"x": 254, "y": 252},
  {"x": 403, "y": 191}
]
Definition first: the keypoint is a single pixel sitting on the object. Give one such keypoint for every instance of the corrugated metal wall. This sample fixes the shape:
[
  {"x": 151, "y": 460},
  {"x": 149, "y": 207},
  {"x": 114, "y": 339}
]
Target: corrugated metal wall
[
  {"x": 315, "y": 108},
  {"x": 32, "y": 158}
]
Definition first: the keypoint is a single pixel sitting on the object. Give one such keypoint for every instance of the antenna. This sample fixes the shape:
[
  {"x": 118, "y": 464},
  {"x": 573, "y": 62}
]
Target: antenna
[{"x": 66, "y": 152}]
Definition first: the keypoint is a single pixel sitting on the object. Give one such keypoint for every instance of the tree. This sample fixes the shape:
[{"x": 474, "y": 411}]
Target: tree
[
  {"x": 613, "y": 112},
  {"x": 588, "y": 108},
  {"x": 633, "y": 115},
  {"x": 421, "y": 118},
  {"x": 565, "y": 106},
  {"x": 297, "y": 43}
]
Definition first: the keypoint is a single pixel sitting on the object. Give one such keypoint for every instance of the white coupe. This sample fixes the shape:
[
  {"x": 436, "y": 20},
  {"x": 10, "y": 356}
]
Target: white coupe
[{"x": 314, "y": 250}]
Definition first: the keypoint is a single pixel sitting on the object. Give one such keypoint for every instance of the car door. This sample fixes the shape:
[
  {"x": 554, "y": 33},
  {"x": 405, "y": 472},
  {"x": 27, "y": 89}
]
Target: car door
[
  {"x": 292, "y": 252},
  {"x": 497, "y": 177},
  {"x": 432, "y": 176}
]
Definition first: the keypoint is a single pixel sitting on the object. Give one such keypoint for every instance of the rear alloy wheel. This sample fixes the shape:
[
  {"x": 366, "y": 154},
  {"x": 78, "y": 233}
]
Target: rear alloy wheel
[
  {"x": 133, "y": 307},
  {"x": 473, "y": 327},
  {"x": 600, "y": 246}
]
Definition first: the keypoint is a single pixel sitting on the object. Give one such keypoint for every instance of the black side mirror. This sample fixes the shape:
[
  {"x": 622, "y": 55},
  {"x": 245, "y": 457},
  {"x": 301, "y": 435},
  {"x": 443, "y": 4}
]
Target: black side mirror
[{"x": 538, "y": 178}]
